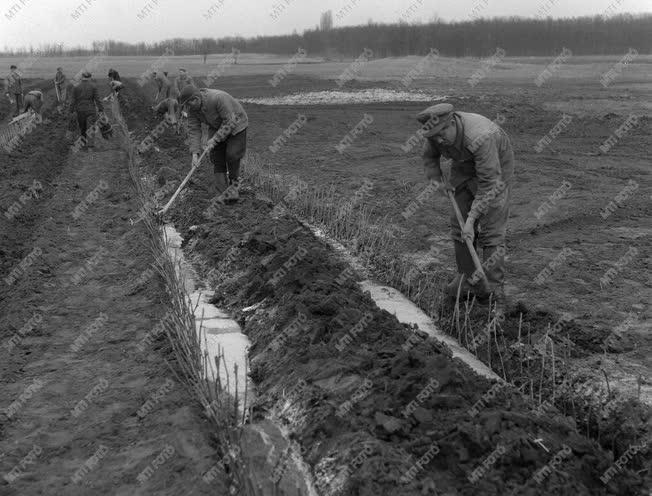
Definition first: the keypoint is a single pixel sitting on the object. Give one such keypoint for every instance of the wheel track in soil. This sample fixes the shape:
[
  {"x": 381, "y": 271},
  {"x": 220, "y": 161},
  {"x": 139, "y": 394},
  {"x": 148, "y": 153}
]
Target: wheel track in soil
[{"x": 108, "y": 361}]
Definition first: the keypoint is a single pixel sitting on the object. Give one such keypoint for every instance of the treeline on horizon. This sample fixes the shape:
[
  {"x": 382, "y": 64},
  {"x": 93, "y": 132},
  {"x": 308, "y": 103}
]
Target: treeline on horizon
[{"x": 477, "y": 38}]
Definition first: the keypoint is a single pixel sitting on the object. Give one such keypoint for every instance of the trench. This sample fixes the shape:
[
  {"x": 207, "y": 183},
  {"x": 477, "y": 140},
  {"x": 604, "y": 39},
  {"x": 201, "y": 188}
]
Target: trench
[
  {"x": 405, "y": 311},
  {"x": 264, "y": 444}
]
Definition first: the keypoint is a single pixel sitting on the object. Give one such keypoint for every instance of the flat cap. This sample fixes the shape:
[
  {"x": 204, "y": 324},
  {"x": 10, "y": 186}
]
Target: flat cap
[
  {"x": 187, "y": 93},
  {"x": 86, "y": 75},
  {"x": 434, "y": 118}
]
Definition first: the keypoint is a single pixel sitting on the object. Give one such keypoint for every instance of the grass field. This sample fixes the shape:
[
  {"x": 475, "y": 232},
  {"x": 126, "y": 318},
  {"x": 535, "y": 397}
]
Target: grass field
[{"x": 508, "y": 69}]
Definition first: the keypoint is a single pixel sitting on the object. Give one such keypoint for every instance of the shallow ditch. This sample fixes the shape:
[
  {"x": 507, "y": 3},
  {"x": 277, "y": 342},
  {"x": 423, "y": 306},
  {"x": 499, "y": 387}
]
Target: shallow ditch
[{"x": 347, "y": 404}]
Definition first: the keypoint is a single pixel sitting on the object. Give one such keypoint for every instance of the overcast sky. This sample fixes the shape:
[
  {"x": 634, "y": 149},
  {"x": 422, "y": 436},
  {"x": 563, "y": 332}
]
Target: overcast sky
[{"x": 25, "y": 22}]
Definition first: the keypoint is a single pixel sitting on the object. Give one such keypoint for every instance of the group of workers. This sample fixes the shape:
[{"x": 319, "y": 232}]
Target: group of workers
[
  {"x": 33, "y": 100},
  {"x": 481, "y": 174},
  {"x": 14, "y": 88}
]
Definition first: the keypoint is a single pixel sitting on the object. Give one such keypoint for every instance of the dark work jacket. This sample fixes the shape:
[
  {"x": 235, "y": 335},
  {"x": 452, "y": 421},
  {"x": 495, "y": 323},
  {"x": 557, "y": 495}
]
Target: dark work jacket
[{"x": 85, "y": 97}]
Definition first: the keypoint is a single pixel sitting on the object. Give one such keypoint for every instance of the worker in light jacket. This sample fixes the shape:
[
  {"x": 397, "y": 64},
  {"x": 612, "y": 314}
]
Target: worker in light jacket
[
  {"x": 228, "y": 122},
  {"x": 482, "y": 173}
]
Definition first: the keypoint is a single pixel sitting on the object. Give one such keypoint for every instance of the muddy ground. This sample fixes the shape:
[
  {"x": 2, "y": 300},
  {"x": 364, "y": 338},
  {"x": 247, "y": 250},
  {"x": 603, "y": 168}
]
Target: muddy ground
[
  {"x": 82, "y": 409},
  {"x": 605, "y": 323},
  {"x": 249, "y": 246},
  {"x": 305, "y": 380},
  {"x": 611, "y": 317}
]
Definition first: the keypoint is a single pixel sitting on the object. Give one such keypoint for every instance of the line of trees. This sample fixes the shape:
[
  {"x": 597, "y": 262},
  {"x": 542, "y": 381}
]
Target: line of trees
[{"x": 478, "y": 38}]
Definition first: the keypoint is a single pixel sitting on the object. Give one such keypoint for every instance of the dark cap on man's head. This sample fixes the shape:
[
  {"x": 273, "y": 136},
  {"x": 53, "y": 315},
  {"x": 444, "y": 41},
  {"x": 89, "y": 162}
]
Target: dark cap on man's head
[
  {"x": 13, "y": 67},
  {"x": 434, "y": 118},
  {"x": 187, "y": 93}
]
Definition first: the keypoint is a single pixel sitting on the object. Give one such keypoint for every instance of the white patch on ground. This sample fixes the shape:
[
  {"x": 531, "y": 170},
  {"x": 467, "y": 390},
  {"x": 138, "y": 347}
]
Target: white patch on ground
[
  {"x": 630, "y": 378},
  {"x": 220, "y": 335},
  {"x": 631, "y": 232},
  {"x": 372, "y": 95},
  {"x": 396, "y": 303},
  {"x": 406, "y": 312}
]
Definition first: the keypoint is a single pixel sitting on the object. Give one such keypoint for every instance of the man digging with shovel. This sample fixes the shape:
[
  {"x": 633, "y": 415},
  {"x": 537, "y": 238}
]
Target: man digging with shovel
[
  {"x": 481, "y": 176},
  {"x": 60, "y": 85},
  {"x": 228, "y": 123},
  {"x": 14, "y": 86}
]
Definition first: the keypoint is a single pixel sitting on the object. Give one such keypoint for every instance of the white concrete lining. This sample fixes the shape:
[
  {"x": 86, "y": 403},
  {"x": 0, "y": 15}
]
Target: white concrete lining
[{"x": 220, "y": 334}]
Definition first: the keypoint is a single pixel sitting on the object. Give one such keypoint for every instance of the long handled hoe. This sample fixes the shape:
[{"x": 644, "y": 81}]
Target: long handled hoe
[
  {"x": 469, "y": 243},
  {"x": 183, "y": 183}
]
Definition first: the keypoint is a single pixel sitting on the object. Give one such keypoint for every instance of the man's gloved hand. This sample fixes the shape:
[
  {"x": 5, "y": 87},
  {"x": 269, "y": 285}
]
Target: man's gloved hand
[
  {"x": 468, "y": 232},
  {"x": 195, "y": 159}
]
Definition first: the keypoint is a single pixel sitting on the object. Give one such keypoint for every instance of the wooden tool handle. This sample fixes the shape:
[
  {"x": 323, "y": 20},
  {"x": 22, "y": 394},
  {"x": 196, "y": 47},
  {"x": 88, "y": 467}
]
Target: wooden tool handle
[
  {"x": 469, "y": 243},
  {"x": 186, "y": 179}
]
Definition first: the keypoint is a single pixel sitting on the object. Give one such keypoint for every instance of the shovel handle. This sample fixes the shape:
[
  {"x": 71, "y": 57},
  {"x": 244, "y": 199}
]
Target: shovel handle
[
  {"x": 183, "y": 183},
  {"x": 469, "y": 243},
  {"x": 186, "y": 179}
]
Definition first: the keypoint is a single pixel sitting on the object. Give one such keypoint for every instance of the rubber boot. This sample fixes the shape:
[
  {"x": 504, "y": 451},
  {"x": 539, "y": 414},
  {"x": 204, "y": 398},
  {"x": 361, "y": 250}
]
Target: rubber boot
[
  {"x": 220, "y": 185},
  {"x": 90, "y": 140},
  {"x": 494, "y": 268},
  {"x": 233, "y": 193},
  {"x": 465, "y": 269},
  {"x": 454, "y": 286}
]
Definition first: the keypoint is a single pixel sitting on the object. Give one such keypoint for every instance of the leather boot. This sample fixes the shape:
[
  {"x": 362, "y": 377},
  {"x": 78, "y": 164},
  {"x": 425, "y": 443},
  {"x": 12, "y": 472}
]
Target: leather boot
[
  {"x": 232, "y": 194},
  {"x": 494, "y": 268},
  {"x": 454, "y": 286},
  {"x": 464, "y": 264},
  {"x": 463, "y": 259},
  {"x": 220, "y": 184}
]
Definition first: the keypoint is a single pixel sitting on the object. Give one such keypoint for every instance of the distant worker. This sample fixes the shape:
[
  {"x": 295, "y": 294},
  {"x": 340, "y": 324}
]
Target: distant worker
[
  {"x": 113, "y": 75},
  {"x": 14, "y": 87},
  {"x": 481, "y": 177},
  {"x": 86, "y": 103},
  {"x": 163, "y": 85},
  {"x": 226, "y": 119},
  {"x": 33, "y": 101},
  {"x": 170, "y": 108},
  {"x": 182, "y": 80},
  {"x": 60, "y": 85},
  {"x": 116, "y": 88}
]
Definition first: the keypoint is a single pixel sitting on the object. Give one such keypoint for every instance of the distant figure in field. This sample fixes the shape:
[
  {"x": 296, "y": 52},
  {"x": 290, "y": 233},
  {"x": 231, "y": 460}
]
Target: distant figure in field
[
  {"x": 14, "y": 87},
  {"x": 170, "y": 108},
  {"x": 34, "y": 101},
  {"x": 163, "y": 85},
  {"x": 86, "y": 103},
  {"x": 182, "y": 80},
  {"x": 70, "y": 86},
  {"x": 60, "y": 85},
  {"x": 113, "y": 75},
  {"x": 116, "y": 88}
]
